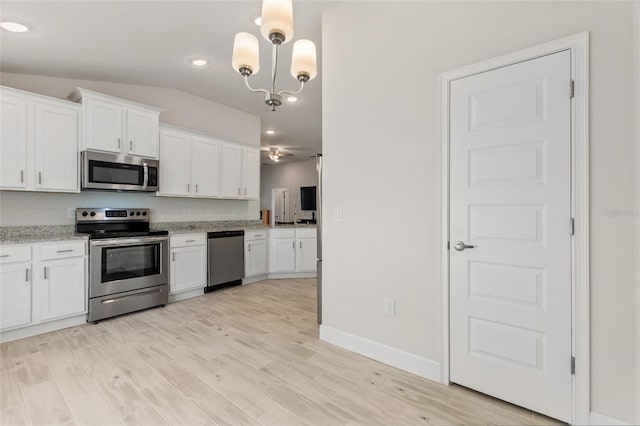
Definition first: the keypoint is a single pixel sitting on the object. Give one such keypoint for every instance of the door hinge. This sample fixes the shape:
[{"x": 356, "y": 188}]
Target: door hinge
[
  {"x": 573, "y": 226},
  {"x": 573, "y": 365},
  {"x": 572, "y": 88}
]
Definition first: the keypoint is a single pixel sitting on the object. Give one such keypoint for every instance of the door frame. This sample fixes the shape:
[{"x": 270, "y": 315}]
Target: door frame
[{"x": 578, "y": 44}]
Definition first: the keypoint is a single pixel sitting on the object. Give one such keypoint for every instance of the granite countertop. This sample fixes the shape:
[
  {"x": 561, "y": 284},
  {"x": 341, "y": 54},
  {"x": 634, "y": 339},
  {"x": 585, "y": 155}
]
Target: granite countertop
[
  {"x": 44, "y": 233},
  {"x": 38, "y": 234}
]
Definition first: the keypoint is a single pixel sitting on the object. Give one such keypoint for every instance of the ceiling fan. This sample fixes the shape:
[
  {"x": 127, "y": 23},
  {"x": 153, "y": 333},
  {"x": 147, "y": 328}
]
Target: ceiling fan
[{"x": 275, "y": 154}]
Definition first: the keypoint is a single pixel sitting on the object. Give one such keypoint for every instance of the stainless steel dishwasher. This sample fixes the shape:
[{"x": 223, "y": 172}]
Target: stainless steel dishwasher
[{"x": 225, "y": 251}]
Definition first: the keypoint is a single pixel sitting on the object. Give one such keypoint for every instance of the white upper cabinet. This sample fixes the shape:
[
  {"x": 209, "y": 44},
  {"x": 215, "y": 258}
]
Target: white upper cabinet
[
  {"x": 175, "y": 157},
  {"x": 13, "y": 142},
  {"x": 231, "y": 171},
  {"x": 38, "y": 143},
  {"x": 117, "y": 125},
  {"x": 56, "y": 148},
  {"x": 251, "y": 173},
  {"x": 205, "y": 167}
]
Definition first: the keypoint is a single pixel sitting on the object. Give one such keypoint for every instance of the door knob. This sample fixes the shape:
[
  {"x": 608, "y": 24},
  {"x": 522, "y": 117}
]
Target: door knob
[{"x": 460, "y": 246}]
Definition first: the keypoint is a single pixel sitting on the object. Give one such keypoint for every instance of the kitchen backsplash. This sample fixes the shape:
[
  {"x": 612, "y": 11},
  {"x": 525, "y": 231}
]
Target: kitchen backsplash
[{"x": 32, "y": 208}]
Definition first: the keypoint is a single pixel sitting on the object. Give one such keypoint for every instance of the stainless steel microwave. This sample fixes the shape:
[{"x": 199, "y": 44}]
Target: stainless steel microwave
[{"x": 116, "y": 172}]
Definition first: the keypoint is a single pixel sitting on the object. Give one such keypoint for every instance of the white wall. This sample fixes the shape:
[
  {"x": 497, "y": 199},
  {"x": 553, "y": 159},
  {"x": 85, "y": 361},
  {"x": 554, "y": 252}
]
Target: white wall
[
  {"x": 288, "y": 175},
  {"x": 181, "y": 109},
  {"x": 381, "y": 153},
  {"x": 636, "y": 117}
]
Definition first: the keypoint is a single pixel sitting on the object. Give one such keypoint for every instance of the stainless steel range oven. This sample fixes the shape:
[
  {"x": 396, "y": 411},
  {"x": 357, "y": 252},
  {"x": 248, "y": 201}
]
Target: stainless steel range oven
[{"x": 128, "y": 263}]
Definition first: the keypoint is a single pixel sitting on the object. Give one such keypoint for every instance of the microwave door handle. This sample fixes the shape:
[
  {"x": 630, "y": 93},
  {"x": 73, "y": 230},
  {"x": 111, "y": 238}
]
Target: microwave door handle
[{"x": 146, "y": 176}]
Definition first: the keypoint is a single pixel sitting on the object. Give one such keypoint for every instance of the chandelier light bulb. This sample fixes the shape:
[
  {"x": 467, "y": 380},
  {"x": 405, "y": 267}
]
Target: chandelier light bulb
[
  {"x": 277, "y": 21},
  {"x": 303, "y": 60},
  {"x": 246, "y": 54}
]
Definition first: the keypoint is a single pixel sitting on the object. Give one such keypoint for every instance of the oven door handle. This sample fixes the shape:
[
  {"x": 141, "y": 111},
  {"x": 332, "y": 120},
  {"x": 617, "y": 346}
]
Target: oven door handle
[
  {"x": 128, "y": 241},
  {"x": 146, "y": 176}
]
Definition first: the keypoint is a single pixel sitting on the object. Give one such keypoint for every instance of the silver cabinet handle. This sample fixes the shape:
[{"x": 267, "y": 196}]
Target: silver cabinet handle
[
  {"x": 294, "y": 245},
  {"x": 21, "y": 176},
  {"x": 130, "y": 145},
  {"x": 460, "y": 246},
  {"x": 245, "y": 191},
  {"x": 196, "y": 187},
  {"x": 119, "y": 144},
  {"x": 64, "y": 251},
  {"x": 26, "y": 276},
  {"x": 249, "y": 248},
  {"x": 173, "y": 257},
  {"x": 300, "y": 244},
  {"x": 238, "y": 191},
  {"x": 5, "y": 255},
  {"x": 190, "y": 241},
  {"x": 40, "y": 177},
  {"x": 45, "y": 272},
  {"x": 188, "y": 187}
]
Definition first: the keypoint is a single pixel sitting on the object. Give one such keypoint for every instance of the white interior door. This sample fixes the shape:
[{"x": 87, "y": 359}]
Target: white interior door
[{"x": 510, "y": 198}]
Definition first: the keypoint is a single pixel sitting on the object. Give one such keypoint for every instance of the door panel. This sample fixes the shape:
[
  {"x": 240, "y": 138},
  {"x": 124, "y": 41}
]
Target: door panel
[
  {"x": 142, "y": 133},
  {"x": 175, "y": 160},
  {"x": 104, "y": 126},
  {"x": 206, "y": 167},
  {"x": 510, "y": 183},
  {"x": 13, "y": 143}
]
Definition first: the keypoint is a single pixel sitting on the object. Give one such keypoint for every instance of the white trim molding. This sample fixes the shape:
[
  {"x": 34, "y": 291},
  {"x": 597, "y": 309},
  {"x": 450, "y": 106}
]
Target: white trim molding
[
  {"x": 45, "y": 327},
  {"x": 636, "y": 66},
  {"x": 601, "y": 419},
  {"x": 579, "y": 46},
  {"x": 406, "y": 361}
]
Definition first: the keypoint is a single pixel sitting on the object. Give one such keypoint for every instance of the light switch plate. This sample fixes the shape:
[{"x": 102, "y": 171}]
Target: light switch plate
[{"x": 337, "y": 214}]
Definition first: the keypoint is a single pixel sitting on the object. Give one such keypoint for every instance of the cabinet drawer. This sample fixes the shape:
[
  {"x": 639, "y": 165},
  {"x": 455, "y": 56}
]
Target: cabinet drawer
[
  {"x": 255, "y": 235},
  {"x": 306, "y": 233},
  {"x": 10, "y": 254},
  {"x": 188, "y": 240},
  {"x": 283, "y": 233},
  {"x": 62, "y": 250}
]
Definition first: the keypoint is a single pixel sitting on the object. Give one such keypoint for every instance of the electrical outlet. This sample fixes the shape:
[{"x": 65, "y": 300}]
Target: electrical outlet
[
  {"x": 337, "y": 214},
  {"x": 390, "y": 307},
  {"x": 71, "y": 213}
]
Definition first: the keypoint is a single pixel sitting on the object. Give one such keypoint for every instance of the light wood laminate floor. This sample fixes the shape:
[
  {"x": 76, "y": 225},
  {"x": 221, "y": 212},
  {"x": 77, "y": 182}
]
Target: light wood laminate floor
[{"x": 246, "y": 355}]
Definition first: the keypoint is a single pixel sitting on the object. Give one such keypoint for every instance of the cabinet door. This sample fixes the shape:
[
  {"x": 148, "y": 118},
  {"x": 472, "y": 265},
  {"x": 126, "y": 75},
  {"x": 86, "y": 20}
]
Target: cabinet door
[
  {"x": 255, "y": 258},
  {"x": 13, "y": 143},
  {"x": 175, "y": 156},
  {"x": 231, "y": 171},
  {"x": 306, "y": 254},
  {"x": 62, "y": 288},
  {"x": 103, "y": 121},
  {"x": 56, "y": 148},
  {"x": 15, "y": 295},
  {"x": 205, "y": 176},
  {"x": 188, "y": 268},
  {"x": 250, "y": 173},
  {"x": 283, "y": 255},
  {"x": 142, "y": 133}
]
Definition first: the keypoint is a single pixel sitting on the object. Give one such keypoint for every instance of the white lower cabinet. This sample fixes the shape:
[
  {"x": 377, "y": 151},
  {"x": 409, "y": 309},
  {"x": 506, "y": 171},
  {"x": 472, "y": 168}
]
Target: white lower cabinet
[
  {"x": 188, "y": 269},
  {"x": 62, "y": 288},
  {"x": 43, "y": 282},
  {"x": 292, "y": 250},
  {"x": 15, "y": 295},
  {"x": 255, "y": 253}
]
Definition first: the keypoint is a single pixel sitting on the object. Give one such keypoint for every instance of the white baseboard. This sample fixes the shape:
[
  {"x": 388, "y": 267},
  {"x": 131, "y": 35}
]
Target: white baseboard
[
  {"x": 255, "y": 279},
  {"x": 279, "y": 275},
  {"x": 601, "y": 419},
  {"x": 176, "y": 297},
  {"x": 406, "y": 361},
  {"x": 21, "y": 333}
]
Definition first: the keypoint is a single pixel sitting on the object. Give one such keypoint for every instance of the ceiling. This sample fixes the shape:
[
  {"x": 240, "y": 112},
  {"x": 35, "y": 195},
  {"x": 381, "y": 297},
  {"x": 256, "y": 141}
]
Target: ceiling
[{"x": 153, "y": 42}]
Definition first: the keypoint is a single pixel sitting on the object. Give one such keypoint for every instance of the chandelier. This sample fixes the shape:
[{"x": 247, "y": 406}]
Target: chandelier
[{"x": 277, "y": 28}]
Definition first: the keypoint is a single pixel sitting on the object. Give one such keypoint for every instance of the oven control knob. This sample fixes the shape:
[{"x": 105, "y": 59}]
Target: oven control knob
[
  {"x": 84, "y": 214},
  {"x": 137, "y": 213},
  {"x": 93, "y": 214},
  {"x": 144, "y": 213},
  {"x": 131, "y": 213}
]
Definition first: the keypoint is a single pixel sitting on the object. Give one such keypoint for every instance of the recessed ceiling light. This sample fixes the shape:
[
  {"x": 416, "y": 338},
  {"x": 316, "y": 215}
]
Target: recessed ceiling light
[
  {"x": 258, "y": 21},
  {"x": 292, "y": 99},
  {"x": 199, "y": 62},
  {"x": 14, "y": 27},
  {"x": 270, "y": 132}
]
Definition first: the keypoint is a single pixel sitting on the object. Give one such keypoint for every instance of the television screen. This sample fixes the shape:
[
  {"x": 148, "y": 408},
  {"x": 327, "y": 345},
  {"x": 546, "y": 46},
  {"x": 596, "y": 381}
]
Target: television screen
[{"x": 308, "y": 198}]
